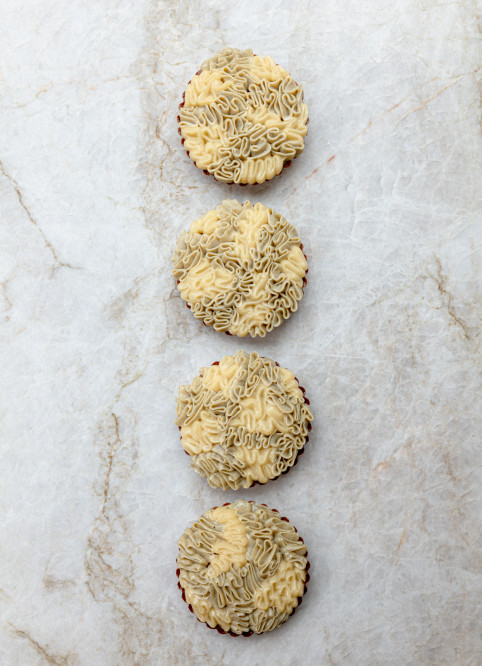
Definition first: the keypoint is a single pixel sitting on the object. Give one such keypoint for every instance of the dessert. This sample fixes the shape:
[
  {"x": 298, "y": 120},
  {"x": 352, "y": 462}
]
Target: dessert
[
  {"x": 244, "y": 420},
  {"x": 242, "y": 568},
  {"x": 242, "y": 118},
  {"x": 241, "y": 268}
]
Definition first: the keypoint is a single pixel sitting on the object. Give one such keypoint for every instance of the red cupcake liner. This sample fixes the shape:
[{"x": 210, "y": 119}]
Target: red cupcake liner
[
  {"x": 286, "y": 164},
  {"x": 300, "y": 452},
  {"x": 246, "y": 634}
]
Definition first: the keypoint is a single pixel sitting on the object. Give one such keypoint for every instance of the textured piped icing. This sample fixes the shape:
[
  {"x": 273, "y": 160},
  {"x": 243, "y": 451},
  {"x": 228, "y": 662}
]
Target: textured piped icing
[
  {"x": 243, "y": 420},
  {"x": 243, "y": 117},
  {"x": 242, "y": 568},
  {"x": 241, "y": 268}
]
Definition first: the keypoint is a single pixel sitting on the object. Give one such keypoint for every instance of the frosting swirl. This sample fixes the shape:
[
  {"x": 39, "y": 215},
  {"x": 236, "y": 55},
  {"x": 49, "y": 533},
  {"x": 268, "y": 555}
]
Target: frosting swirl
[
  {"x": 242, "y": 568},
  {"x": 241, "y": 268},
  {"x": 243, "y": 421},
  {"x": 243, "y": 117}
]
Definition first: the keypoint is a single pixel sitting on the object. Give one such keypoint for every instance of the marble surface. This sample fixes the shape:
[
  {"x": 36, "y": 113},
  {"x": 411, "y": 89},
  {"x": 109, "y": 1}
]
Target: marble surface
[{"x": 94, "y": 189}]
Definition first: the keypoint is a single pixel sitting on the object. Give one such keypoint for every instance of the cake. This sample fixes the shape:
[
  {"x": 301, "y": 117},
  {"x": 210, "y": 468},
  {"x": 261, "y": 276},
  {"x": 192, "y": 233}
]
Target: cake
[
  {"x": 244, "y": 420},
  {"x": 242, "y": 568},
  {"x": 241, "y": 268},
  {"x": 242, "y": 118}
]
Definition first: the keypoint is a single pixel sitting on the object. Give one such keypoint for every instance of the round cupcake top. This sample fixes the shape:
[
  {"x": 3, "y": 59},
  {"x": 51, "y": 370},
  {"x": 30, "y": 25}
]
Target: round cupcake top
[
  {"x": 243, "y": 420},
  {"x": 242, "y": 117},
  {"x": 242, "y": 568},
  {"x": 241, "y": 268}
]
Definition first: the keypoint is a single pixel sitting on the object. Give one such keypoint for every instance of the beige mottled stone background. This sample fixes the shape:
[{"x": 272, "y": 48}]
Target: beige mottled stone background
[{"x": 94, "y": 189}]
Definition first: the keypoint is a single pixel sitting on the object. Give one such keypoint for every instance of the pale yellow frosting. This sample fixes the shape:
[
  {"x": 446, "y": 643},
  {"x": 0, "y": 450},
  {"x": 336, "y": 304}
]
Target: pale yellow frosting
[
  {"x": 242, "y": 568},
  {"x": 241, "y": 268},
  {"x": 243, "y": 117},
  {"x": 231, "y": 548},
  {"x": 242, "y": 421}
]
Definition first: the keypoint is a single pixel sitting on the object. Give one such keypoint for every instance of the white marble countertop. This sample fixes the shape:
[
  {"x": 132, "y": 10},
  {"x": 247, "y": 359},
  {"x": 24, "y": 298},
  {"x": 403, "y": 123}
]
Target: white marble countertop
[{"x": 94, "y": 189}]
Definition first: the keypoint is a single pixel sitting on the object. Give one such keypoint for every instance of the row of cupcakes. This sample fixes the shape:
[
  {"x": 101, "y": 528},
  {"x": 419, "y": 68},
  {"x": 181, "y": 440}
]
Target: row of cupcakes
[{"x": 242, "y": 568}]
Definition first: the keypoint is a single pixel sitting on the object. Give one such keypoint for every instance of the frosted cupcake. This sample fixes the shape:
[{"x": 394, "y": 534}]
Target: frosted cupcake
[
  {"x": 241, "y": 268},
  {"x": 242, "y": 118},
  {"x": 242, "y": 568},
  {"x": 243, "y": 421}
]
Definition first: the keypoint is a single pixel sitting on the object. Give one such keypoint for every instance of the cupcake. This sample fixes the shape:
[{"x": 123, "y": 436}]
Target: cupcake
[
  {"x": 241, "y": 268},
  {"x": 244, "y": 420},
  {"x": 242, "y": 118},
  {"x": 242, "y": 568}
]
